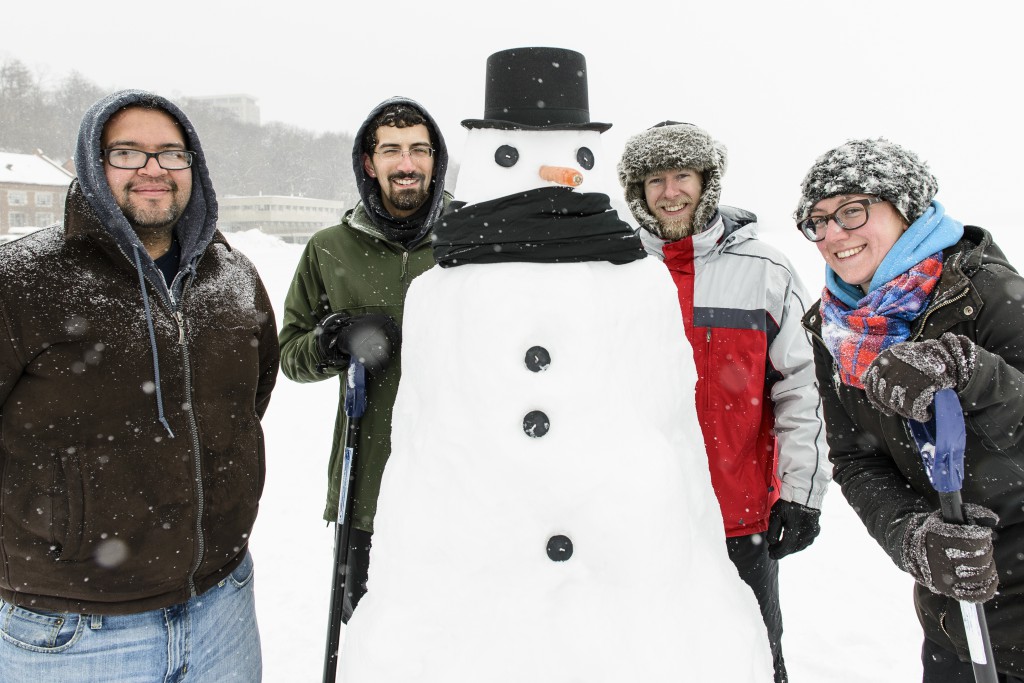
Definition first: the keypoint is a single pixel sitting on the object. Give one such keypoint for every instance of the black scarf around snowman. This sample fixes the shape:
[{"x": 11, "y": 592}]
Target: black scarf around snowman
[
  {"x": 543, "y": 225},
  {"x": 536, "y": 89}
]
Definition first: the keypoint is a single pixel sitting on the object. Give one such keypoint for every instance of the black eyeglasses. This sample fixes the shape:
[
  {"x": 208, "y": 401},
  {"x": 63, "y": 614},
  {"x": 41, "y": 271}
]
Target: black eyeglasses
[
  {"x": 418, "y": 153},
  {"x": 849, "y": 216},
  {"x": 170, "y": 160}
]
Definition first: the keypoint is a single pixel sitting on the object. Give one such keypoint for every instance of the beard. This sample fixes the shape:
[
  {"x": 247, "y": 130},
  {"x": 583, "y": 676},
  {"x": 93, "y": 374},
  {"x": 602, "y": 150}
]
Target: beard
[
  {"x": 675, "y": 230},
  {"x": 152, "y": 220},
  {"x": 411, "y": 198}
]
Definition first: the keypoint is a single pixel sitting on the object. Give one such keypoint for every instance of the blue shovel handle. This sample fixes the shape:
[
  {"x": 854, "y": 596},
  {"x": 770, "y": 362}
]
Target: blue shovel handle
[
  {"x": 941, "y": 442},
  {"x": 355, "y": 390}
]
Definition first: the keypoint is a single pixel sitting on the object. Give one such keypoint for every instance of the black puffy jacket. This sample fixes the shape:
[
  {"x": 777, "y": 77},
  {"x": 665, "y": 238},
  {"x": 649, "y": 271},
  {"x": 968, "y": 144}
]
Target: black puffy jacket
[{"x": 876, "y": 461}]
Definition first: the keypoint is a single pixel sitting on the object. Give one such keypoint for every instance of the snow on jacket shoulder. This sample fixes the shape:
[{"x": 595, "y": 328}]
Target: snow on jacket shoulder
[{"x": 757, "y": 398}]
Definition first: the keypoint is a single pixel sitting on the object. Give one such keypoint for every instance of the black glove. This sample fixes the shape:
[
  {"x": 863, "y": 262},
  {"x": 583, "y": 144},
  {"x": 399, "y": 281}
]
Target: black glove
[
  {"x": 953, "y": 559},
  {"x": 791, "y": 528},
  {"x": 371, "y": 338},
  {"x": 903, "y": 379}
]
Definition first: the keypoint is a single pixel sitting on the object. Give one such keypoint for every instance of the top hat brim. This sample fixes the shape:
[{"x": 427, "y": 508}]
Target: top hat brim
[{"x": 515, "y": 125}]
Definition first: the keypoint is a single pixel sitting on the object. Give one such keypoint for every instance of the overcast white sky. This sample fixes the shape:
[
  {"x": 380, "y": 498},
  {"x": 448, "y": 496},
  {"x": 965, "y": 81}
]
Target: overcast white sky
[{"x": 778, "y": 82}]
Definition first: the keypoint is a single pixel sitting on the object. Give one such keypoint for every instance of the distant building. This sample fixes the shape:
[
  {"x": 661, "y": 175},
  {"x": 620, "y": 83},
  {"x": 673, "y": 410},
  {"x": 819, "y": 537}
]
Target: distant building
[
  {"x": 32, "y": 191},
  {"x": 293, "y": 219},
  {"x": 242, "y": 107}
]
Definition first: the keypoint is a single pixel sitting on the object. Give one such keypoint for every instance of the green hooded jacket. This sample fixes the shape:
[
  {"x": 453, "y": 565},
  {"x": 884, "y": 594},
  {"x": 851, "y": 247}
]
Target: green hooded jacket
[
  {"x": 351, "y": 268},
  {"x": 357, "y": 267}
]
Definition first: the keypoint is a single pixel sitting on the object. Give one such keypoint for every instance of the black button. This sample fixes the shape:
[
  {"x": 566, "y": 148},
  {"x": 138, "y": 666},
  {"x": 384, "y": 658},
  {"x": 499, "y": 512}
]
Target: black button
[
  {"x": 538, "y": 358},
  {"x": 536, "y": 423},
  {"x": 559, "y": 548}
]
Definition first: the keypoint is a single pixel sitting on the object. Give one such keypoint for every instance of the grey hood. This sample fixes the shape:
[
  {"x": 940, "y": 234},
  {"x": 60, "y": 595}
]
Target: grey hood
[
  {"x": 369, "y": 189},
  {"x": 197, "y": 225}
]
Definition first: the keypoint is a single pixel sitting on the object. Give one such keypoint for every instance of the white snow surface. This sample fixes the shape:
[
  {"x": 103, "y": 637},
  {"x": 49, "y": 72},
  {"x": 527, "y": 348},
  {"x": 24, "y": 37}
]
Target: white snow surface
[
  {"x": 460, "y": 580},
  {"x": 848, "y": 612}
]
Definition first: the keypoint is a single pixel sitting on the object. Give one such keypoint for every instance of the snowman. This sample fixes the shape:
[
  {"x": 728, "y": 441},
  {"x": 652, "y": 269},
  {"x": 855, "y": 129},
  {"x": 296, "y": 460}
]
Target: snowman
[{"x": 547, "y": 512}]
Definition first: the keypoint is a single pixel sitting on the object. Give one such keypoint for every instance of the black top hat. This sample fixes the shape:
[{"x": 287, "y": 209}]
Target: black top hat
[{"x": 536, "y": 88}]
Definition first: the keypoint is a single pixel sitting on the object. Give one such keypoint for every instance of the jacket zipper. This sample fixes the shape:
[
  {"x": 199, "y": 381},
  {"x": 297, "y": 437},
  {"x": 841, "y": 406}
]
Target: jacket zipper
[
  {"x": 924, "y": 321},
  {"x": 707, "y": 369},
  {"x": 196, "y": 454}
]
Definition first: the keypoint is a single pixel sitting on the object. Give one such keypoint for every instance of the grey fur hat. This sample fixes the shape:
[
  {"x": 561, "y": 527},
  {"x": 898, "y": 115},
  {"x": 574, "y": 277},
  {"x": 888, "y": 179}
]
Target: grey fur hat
[
  {"x": 876, "y": 167},
  {"x": 666, "y": 146}
]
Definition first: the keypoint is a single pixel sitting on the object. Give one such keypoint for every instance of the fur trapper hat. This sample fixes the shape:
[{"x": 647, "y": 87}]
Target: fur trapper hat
[
  {"x": 875, "y": 167},
  {"x": 666, "y": 146}
]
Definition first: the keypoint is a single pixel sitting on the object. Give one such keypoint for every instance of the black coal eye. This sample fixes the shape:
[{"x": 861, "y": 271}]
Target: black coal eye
[
  {"x": 585, "y": 157},
  {"x": 506, "y": 156}
]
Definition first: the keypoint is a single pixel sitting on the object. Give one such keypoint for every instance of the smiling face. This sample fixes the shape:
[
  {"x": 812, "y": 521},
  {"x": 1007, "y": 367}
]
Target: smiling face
[
  {"x": 404, "y": 182},
  {"x": 672, "y": 197},
  {"x": 151, "y": 198},
  {"x": 855, "y": 255}
]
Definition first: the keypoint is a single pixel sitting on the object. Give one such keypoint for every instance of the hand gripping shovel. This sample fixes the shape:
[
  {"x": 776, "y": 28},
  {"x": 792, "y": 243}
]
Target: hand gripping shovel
[{"x": 941, "y": 443}]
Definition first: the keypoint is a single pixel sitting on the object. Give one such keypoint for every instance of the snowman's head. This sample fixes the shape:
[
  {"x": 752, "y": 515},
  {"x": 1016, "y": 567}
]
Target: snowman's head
[
  {"x": 536, "y": 131},
  {"x": 502, "y": 162}
]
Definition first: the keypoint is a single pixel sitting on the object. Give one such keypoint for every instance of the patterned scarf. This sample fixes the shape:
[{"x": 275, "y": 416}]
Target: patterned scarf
[{"x": 855, "y": 336}]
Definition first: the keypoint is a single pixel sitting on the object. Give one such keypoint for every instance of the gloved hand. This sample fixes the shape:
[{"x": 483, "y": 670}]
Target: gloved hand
[
  {"x": 791, "y": 528},
  {"x": 903, "y": 379},
  {"x": 953, "y": 559},
  {"x": 371, "y": 338}
]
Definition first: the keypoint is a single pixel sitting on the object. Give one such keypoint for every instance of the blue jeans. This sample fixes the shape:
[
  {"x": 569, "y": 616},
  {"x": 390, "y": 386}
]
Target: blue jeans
[{"x": 210, "y": 638}]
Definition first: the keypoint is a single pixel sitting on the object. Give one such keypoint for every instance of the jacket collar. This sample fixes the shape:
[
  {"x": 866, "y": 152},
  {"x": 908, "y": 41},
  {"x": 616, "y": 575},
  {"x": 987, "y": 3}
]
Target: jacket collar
[
  {"x": 358, "y": 218},
  {"x": 960, "y": 262},
  {"x": 728, "y": 226}
]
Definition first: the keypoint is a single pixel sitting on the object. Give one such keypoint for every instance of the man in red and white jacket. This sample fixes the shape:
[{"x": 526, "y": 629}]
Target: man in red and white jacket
[{"x": 756, "y": 395}]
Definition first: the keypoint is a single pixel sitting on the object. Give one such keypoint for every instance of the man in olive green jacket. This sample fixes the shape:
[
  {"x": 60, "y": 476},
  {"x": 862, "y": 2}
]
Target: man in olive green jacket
[{"x": 363, "y": 267}]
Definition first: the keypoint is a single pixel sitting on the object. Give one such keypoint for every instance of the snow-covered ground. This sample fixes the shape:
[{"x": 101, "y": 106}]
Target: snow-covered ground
[{"x": 847, "y": 610}]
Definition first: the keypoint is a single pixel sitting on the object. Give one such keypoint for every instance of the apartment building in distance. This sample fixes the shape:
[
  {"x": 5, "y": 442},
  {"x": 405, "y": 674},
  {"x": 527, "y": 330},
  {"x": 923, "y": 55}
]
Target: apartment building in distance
[
  {"x": 293, "y": 219},
  {"x": 33, "y": 189},
  {"x": 243, "y": 107}
]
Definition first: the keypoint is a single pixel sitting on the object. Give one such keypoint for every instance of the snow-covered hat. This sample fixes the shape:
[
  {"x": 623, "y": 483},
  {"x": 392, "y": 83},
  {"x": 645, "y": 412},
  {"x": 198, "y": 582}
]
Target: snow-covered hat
[
  {"x": 666, "y": 146},
  {"x": 536, "y": 88},
  {"x": 875, "y": 167}
]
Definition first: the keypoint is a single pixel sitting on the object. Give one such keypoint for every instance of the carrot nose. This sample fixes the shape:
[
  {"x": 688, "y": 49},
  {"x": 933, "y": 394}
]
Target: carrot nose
[{"x": 562, "y": 175}]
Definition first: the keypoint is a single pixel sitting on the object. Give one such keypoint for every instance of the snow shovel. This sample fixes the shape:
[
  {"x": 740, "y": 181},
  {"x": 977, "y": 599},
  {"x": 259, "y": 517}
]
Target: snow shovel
[
  {"x": 369, "y": 341},
  {"x": 941, "y": 443},
  {"x": 355, "y": 406}
]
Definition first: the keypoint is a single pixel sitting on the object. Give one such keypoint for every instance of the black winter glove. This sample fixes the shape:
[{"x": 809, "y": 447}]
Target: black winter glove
[
  {"x": 791, "y": 528},
  {"x": 953, "y": 559},
  {"x": 371, "y": 338},
  {"x": 903, "y": 379}
]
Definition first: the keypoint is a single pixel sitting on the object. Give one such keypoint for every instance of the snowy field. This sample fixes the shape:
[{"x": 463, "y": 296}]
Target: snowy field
[{"x": 847, "y": 610}]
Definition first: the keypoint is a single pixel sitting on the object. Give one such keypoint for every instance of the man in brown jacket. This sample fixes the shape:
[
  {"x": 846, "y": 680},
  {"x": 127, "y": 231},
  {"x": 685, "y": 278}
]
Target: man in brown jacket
[{"x": 137, "y": 356}]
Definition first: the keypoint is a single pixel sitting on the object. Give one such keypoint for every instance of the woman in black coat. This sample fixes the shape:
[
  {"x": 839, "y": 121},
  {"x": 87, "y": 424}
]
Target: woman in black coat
[{"x": 916, "y": 302}]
